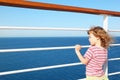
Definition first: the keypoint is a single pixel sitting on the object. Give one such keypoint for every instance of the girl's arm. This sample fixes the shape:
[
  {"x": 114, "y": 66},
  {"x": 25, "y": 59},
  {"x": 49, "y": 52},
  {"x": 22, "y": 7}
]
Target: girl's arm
[{"x": 81, "y": 58}]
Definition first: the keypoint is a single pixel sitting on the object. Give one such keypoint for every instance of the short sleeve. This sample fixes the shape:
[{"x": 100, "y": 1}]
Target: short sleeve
[{"x": 89, "y": 54}]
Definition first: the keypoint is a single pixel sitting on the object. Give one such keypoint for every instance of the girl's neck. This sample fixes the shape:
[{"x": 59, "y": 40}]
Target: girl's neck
[{"x": 98, "y": 44}]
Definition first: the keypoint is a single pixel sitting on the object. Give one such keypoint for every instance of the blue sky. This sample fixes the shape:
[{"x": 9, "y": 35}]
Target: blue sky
[{"x": 24, "y": 17}]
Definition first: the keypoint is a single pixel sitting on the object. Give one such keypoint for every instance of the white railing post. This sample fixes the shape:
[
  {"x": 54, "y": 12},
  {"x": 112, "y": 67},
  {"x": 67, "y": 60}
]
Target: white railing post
[
  {"x": 105, "y": 26},
  {"x": 105, "y": 22}
]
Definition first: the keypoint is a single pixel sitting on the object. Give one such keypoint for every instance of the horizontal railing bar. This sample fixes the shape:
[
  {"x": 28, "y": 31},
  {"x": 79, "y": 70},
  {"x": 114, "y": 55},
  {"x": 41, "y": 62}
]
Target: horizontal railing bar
[
  {"x": 82, "y": 79},
  {"x": 46, "y": 28},
  {"x": 47, "y": 48},
  {"x": 114, "y": 30},
  {"x": 39, "y": 68},
  {"x": 112, "y": 59},
  {"x": 47, "y": 67},
  {"x": 114, "y": 44},
  {"x": 115, "y": 73},
  {"x": 36, "y": 49},
  {"x": 40, "y": 28},
  {"x": 56, "y": 7}
]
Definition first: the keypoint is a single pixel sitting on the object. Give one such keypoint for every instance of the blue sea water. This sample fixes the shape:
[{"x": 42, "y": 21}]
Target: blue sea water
[{"x": 31, "y": 59}]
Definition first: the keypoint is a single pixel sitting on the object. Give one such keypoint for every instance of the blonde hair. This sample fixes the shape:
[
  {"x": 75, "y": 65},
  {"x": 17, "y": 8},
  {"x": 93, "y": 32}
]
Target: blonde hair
[{"x": 99, "y": 32}]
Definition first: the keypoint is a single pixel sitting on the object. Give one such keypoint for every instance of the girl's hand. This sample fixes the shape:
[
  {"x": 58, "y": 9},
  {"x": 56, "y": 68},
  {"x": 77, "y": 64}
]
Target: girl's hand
[
  {"x": 81, "y": 58},
  {"x": 78, "y": 47}
]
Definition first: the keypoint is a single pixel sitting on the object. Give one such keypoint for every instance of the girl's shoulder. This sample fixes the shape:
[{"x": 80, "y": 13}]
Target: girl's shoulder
[{"x": 94, "y": 48}]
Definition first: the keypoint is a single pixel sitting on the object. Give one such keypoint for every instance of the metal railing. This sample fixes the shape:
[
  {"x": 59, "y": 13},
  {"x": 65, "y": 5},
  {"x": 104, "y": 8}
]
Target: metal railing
[
  {"x": 46, "y": 48},
  {"x": 40, "y": 28},
  {"x": 47, "y": 67}
]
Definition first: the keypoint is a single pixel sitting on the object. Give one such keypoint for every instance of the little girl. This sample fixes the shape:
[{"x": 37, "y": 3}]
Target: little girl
[{"x": 96, "y": 55}]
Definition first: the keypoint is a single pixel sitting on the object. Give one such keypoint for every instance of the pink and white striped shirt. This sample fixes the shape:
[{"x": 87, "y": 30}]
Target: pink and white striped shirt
[{"x": 97, "y": 57}]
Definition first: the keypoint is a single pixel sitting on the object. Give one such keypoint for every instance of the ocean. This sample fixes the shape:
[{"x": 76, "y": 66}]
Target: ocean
[{"x": 31, "y": 59}]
